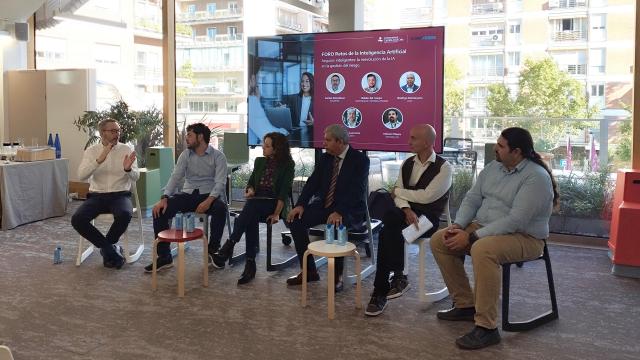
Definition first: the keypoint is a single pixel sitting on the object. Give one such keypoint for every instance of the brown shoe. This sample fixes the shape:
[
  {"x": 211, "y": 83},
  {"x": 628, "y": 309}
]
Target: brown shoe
[{"x": 297, "y": 280}]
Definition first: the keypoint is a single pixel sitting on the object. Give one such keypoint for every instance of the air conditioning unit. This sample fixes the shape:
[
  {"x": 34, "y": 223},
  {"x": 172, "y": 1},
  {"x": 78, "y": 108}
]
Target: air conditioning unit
[{"x": 496, "y": 37}]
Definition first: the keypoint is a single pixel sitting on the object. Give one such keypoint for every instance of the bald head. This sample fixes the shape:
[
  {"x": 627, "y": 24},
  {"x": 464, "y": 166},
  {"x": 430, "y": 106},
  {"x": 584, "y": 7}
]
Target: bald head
[{"x": 421, "y": 140}]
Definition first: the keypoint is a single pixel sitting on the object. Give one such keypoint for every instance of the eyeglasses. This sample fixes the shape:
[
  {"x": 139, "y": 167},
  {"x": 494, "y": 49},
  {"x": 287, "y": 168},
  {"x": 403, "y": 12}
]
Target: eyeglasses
[{"x": 113, "y": 131}]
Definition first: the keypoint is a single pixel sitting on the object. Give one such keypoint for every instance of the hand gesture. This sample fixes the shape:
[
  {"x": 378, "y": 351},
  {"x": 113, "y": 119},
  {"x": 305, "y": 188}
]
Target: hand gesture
[
  {"x": 128, "y": 161},
  {"x": 159, "y": 208},
  {"x": 334, "y": 218},
  {"x": 105, "y": 151},
  {"x": 273, "y": 218},
  {"x": 410, "y": 217},
  {"x": 309, "y": 120},
  {"x": 456, "y": 239},
  {"x": 205, "y": 205},
  {"x": 295, "y": 212}
]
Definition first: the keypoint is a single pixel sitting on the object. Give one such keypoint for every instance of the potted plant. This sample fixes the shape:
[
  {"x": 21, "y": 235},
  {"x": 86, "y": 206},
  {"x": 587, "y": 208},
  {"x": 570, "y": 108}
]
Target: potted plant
[{"x": 143, "y": 128}]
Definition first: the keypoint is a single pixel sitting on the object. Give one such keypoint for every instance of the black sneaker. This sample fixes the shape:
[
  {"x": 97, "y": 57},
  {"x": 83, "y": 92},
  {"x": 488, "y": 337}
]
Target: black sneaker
[
  {"x": 457, "y": 314},
  {"x": 478, "y": 338},
  {"x": 162, "y": 263},
  {"x": 399, "y": 286},
  {"x": 117, "y": 262},
  {"x": 376, "y": 305}
]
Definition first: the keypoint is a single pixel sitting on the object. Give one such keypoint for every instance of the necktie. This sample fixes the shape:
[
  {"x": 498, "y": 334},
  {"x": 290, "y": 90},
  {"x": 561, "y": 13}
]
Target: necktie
[{"x": 332, "y": 186}]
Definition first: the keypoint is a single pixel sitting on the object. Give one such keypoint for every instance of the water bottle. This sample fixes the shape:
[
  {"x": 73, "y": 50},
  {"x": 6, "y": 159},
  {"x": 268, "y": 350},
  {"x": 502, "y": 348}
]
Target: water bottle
[
  {"x": 50, "y": 141},
  {"x": 342, "y": 235},
  {"x": 190, "y": 222},
  {"x": 56, "y": 144},
  {"x": 177, "y": 221},
  {"x": 57, "y": 255},
  {"x": 329, "y": 234}
]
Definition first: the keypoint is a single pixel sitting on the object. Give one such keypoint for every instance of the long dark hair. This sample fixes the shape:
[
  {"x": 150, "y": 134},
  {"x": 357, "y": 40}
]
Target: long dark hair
[
  {"x": 519, "y": 138},
  {"x": 310, "y": 76},
  {"x": 281, "y": 149}
]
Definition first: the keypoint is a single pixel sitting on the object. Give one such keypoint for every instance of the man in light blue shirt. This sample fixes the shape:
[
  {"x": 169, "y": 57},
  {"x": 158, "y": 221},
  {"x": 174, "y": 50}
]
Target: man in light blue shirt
[
  {"x": 503, "y": 218},
  {"x": 203, "y": 170}
]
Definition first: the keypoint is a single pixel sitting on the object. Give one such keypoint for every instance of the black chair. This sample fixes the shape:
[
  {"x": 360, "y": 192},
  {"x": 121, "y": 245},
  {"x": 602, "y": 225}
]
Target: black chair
[{"x": 538, "y": 320}]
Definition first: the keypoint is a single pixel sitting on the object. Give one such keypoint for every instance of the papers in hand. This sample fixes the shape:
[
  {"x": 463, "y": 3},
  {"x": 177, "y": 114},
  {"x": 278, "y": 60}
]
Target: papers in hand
[{"x": 411, "y": 233}]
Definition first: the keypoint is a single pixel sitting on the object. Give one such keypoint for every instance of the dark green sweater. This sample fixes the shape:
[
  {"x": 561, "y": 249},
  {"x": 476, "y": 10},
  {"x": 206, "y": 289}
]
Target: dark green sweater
[{"x": 283, "y": 179}]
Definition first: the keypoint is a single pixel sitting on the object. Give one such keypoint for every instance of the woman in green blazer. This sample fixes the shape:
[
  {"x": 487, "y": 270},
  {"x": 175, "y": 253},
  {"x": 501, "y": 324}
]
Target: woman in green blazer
[{"x": 266, "y": 192}]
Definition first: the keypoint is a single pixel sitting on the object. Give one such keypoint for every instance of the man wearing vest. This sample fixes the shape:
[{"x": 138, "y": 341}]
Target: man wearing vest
[{"x": 421, "y": 189}]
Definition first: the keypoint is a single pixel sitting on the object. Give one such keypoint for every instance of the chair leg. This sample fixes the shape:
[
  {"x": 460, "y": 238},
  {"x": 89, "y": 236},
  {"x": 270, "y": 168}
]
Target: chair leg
[
  {"x": 154, "y": 267},
  {"x": 181, "y": 269},
  {"x": 83, "y": 255},
  {"x": 303, "y": 299},
  {"x": 205, "y": 263},
  {"x": 358, "y": 280},
  {"x": 331, "y": 288},
  {"x": 277, "y": 266},
  {"x": 538, "y": 320},
  {"x": 425, "y": 296}
]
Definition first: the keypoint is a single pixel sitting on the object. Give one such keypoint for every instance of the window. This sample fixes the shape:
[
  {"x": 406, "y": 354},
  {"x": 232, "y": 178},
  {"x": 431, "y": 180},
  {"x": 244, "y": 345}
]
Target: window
[
  {"x": 106, "y": 54},
  {"x": 233, "y": 7},
  {"x": 597, "y": 90},
  {"x": 231, "y": 106},
  {"x": 599, "y": 27},
  {"x": 232, "y": 31},
  {"x": 514, "y": 28},
  {"x": 487, "y": 65},
  {"x": 211, "y": 8},
  {"x": 191, "y": 9},
  {"x": 211, "y": 33},
  {"x": 513, "y": 58},
  {"x": 597, "y": 61}
]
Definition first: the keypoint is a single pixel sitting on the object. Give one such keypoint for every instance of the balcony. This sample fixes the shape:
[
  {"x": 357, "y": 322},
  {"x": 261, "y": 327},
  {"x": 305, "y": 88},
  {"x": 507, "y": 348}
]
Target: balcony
[
  {"x": 574, "y": 69},
  {"x": 484, "y": 72},
  {"x": 420, "y": 15},
  {"x": 208, "y": 16},
  {"x": 215, "y": 90},
  {"x": 567, "y": 4},
  {"x": 569, "y": 35},
  {"x": 488, "y": 40},
  {"x": 289, "y": 24},
  {"x": 489, "y": 8},
  {"x": 207, "y": 41},
  {"x": 147, "y": 73}
]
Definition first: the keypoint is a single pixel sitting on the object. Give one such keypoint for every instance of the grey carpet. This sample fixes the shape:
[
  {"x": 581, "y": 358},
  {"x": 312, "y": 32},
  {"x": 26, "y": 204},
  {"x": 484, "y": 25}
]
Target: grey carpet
[{"x": 89, "y": 312}]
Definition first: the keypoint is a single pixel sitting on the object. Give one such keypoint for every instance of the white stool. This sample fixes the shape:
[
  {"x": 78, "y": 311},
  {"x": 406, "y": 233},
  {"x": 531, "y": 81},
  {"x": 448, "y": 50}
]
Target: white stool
[{"x": 331, "y": 251}]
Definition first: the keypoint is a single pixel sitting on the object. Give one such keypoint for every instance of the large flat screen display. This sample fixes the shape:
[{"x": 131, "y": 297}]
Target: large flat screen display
[{"x": 378, "y": 84}]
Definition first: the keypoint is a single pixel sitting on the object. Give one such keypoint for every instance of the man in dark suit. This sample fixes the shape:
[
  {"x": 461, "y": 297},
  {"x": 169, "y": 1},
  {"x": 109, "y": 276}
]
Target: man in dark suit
[
  {"x": 410, "y": 86},
  {"x": 333, "y": 194}
]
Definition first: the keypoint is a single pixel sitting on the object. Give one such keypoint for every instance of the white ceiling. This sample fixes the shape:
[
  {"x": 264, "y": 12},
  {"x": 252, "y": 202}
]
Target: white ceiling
[{"x": 18, "y": 10}]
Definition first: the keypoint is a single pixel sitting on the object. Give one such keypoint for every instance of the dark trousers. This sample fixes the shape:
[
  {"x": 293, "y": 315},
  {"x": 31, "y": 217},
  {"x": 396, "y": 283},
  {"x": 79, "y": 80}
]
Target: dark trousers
[
  {"x": 183, "y": 202},
  {"x": 253, "y": 212},
  {"x": 313, "y": 215},
  {"x": 116, "y": 203},
  {"x": 391, "y": 248}
]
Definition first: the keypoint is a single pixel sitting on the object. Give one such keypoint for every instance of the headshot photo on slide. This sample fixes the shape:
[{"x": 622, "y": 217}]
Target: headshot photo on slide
[
  {"x": 351, "y": 117},
  {"x": 410, "y": 82},
  {"x": 335, "y": 83},
  {"x": 371, "y": 82},
  {"x": 392, "y": 118}
]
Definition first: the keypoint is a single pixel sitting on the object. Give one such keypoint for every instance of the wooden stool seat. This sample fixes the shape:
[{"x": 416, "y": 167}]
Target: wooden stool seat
[
  {"x": 331, "y": 251},
  {"x": 180, "y": 237}
]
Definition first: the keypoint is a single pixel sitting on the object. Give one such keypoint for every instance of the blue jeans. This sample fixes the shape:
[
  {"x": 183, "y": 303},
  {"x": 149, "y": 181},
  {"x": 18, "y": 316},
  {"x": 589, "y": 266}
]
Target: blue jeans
[
  {"x": 116, "y": 203},
  {"x": 183, "y": 202}
]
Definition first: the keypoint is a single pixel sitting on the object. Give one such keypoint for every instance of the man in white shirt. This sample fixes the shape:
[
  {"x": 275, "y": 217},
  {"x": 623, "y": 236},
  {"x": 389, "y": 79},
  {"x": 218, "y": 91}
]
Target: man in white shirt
[
  {"x": 111, "y": 168},
  {"x": 422, "y": 188}
]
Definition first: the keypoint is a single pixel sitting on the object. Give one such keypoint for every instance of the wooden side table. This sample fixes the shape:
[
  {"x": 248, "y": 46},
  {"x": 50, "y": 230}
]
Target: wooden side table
[
  {"x": 180, "y": 237},
  {"x": 331, "y": 251}
]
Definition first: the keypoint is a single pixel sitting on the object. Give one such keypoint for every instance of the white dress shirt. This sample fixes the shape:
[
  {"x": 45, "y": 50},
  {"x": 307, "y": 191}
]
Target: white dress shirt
[
  {"x": 110, "y": 175},
  {"x": 436, "y": 188}
]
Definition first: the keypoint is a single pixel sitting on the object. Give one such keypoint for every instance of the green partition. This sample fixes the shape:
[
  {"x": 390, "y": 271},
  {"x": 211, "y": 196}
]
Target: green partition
[
  {"x": 159, "y": 157},
  {"x": 148, "y": 188}
]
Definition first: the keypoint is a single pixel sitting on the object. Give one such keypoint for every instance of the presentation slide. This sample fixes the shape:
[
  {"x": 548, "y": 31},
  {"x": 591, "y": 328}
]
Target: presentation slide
[{"x": 378, "y": 84}]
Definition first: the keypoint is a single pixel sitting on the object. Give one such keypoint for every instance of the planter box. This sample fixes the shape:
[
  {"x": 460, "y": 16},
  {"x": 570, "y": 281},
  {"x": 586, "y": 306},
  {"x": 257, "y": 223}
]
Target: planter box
[{"x": 579, "y": 226}]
